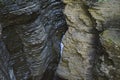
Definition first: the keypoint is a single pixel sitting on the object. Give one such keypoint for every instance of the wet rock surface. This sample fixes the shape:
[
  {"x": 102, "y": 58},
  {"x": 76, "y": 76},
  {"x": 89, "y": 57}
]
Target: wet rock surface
[
  {"x": 30, "y": 43},
  {"x": 31, "y": 34}
]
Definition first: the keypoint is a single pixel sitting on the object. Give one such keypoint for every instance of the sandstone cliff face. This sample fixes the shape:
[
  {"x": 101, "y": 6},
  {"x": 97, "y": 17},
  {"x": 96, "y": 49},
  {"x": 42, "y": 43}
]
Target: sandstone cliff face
[{"x": 91, "y": 45}]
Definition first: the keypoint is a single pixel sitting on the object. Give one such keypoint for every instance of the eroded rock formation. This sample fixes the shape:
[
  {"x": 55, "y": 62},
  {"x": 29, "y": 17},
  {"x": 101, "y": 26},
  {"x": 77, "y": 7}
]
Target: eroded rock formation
[
  {"x": 91, "y": 45},
  {"x": 31, "y": 32},
  {"x": 30, "y": 43}
]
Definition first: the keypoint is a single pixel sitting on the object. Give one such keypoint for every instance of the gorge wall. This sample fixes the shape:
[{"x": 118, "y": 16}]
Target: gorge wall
[
  {"x": 91, "y": 44},
  {"x": 32, "y": 36}
]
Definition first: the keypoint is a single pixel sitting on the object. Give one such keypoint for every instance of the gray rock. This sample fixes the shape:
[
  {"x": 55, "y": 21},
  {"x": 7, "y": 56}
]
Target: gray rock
[{"x": 32, "y": 33}]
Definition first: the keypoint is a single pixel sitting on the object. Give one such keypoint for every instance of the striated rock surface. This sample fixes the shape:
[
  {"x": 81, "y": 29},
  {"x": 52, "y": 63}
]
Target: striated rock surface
[
  {"x": 31, "y": 34},
  {"x": 91, "y": 45},
  {"x": 30, "y": 43}
]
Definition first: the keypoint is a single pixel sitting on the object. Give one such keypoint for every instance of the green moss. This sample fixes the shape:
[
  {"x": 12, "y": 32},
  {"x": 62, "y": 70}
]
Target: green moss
[{"x": 109, "y": 41}]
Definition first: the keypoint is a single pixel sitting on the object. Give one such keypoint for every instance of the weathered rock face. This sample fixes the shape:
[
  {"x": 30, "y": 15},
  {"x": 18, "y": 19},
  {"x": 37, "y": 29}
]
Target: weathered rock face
[
  {"x": 30, "y": 43},
  {"x": 108, "y": 23},
  {"x": 91, "y": 45},
  {"x": 80, "y": 49},
  {"x": 110, "y": 39},
  {"x": 31, "y": 33}
]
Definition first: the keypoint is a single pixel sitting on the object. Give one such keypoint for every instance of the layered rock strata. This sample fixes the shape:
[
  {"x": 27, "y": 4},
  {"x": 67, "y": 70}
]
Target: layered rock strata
[{"x": 31, "y": 31}]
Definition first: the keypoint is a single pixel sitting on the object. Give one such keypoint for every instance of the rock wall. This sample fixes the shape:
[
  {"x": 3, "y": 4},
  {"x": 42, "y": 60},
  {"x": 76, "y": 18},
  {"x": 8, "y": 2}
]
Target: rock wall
[
  {"x": 91, "y": 45},
  {"x": 31, "y": 32}
]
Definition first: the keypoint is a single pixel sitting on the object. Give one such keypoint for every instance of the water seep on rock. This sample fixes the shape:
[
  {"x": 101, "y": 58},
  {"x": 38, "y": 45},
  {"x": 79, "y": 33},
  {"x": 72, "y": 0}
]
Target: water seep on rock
[{"x": 31, "y": 31}]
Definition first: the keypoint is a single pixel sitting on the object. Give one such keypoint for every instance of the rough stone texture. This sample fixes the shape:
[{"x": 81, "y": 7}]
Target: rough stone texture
[
  {"x": 111, "y": 42},
  {"x": 80, "y": 47},
  {"x": 91, "y": 45},
  {"x": 31, "y": 32},
  {"x": 108, "y": 24}
]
